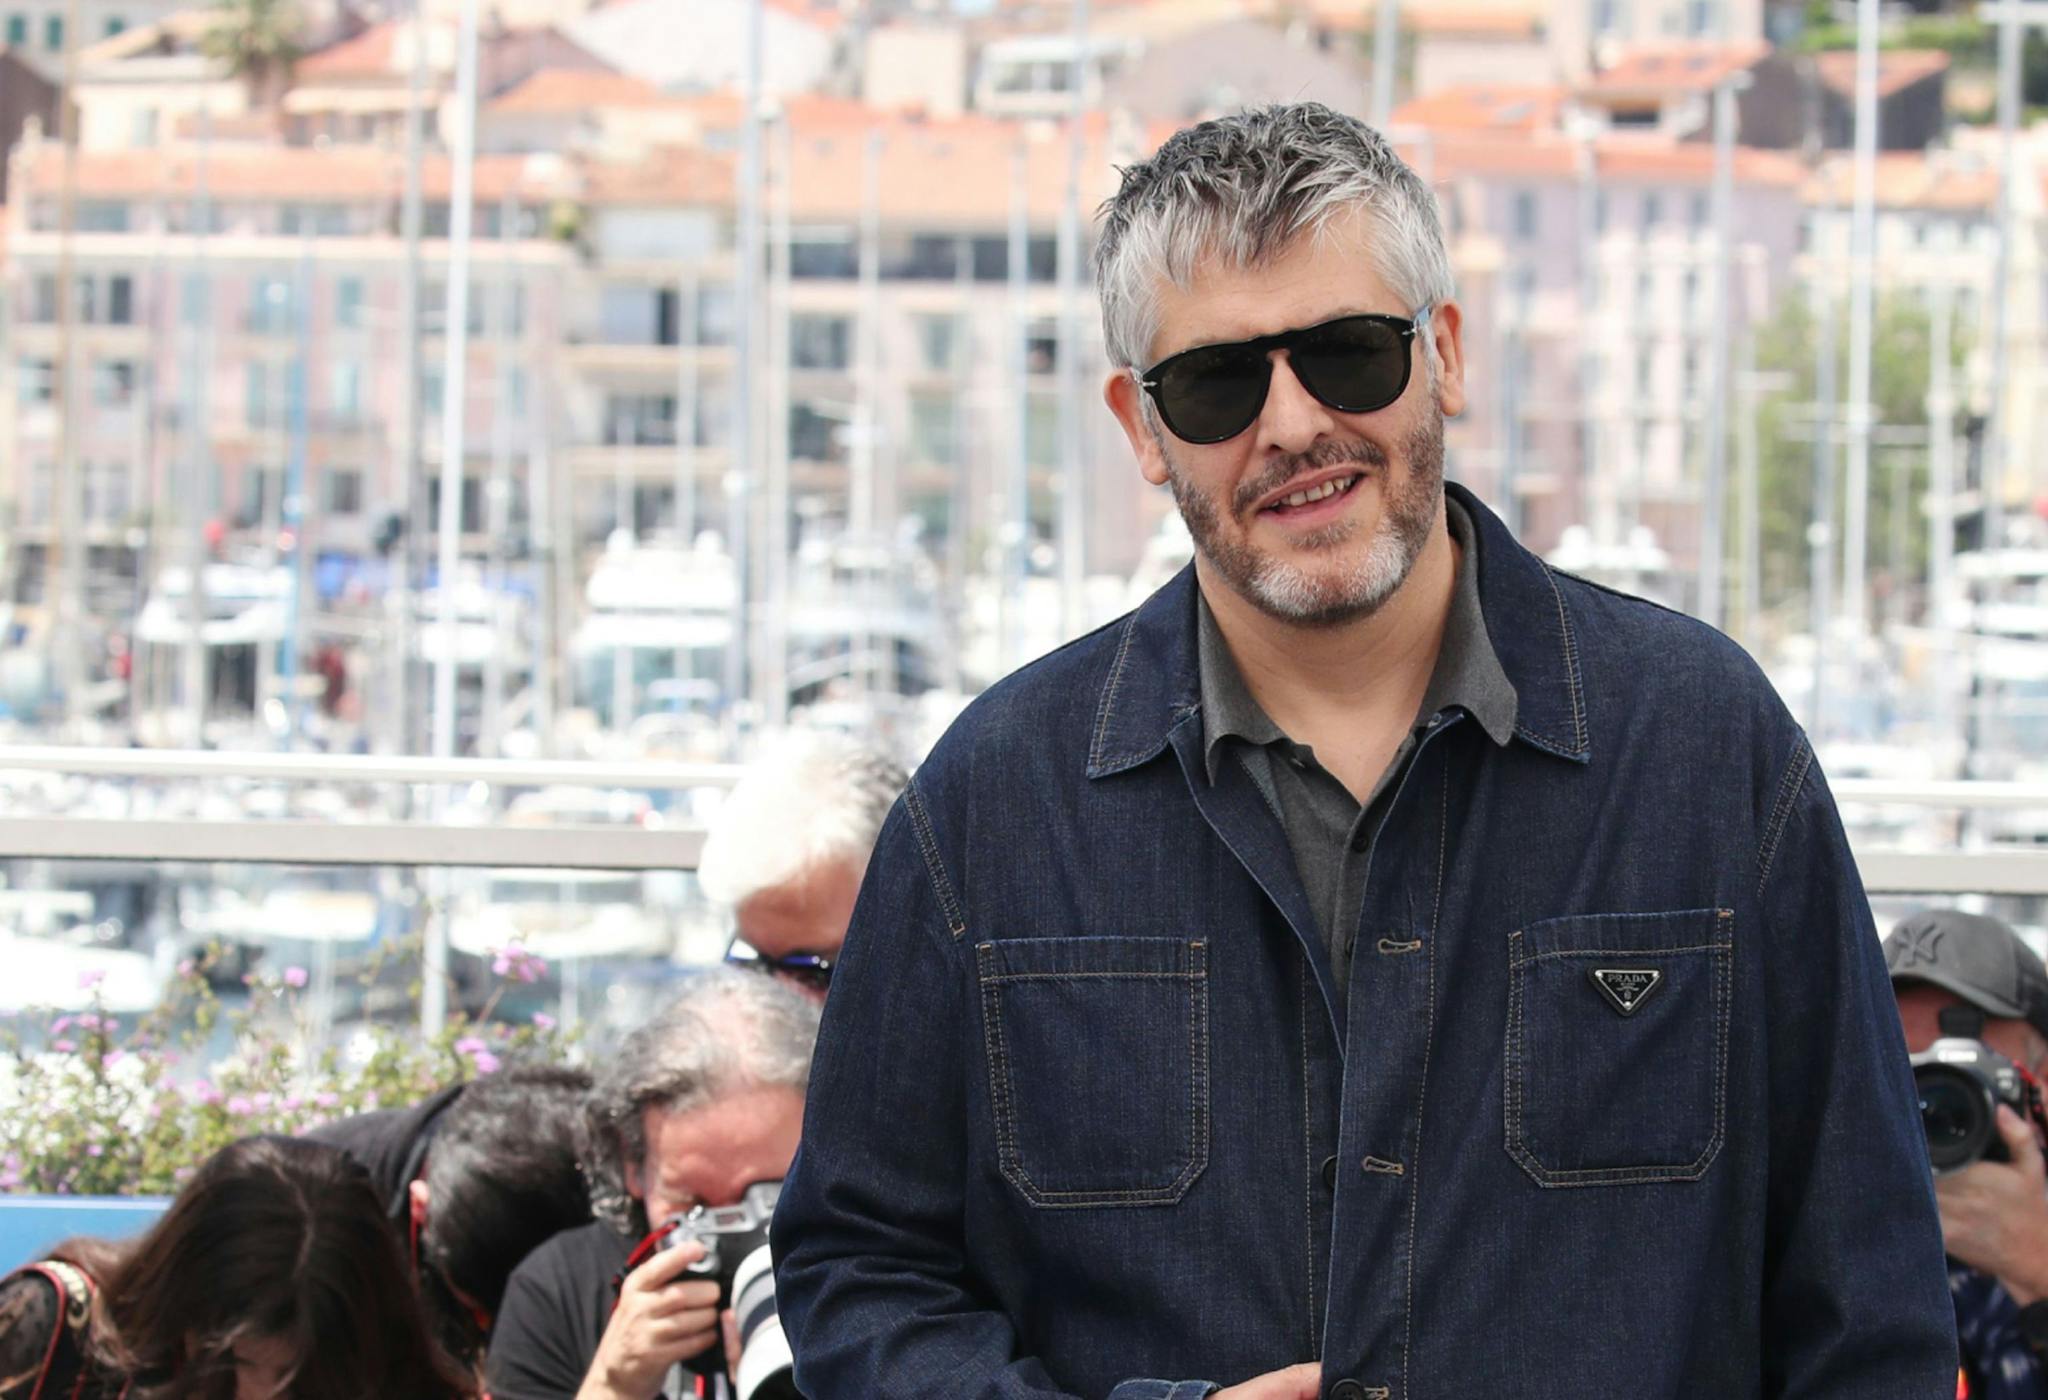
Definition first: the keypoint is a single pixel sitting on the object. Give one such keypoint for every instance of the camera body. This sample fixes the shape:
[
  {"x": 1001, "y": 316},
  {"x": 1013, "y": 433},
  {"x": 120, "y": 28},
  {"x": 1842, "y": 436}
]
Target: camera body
[
  {"x": 728, "y": 1234},
  {"x": 736, "y": 1257},
  {"x": 1961, "y": 1082}
]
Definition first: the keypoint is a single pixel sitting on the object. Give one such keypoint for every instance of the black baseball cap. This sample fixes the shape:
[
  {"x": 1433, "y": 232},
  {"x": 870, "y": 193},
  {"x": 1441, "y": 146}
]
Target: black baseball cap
[{"x": 1978, "y": 958}]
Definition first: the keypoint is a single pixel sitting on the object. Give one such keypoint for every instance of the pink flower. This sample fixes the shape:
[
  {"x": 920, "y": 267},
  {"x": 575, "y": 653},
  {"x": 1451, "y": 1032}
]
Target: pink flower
[
  {"x": 240, "y": 1106},
  {"x": 479, "y": 1054},
  {"x": 95, "y": 1151},
  {"x": 62, "y": 1024},
  {"x": 187, "y": 968},
  {"x": 89, "y": 980},
  {"x": 205, "y": 1092},
  {"x": 543, "y": 1021},
  {"x": 326, "y": 1099},
  {"x": 63, "y": 1046},
  {"x": 295, "y": 977},
  {"x": 516, "y": 963}
]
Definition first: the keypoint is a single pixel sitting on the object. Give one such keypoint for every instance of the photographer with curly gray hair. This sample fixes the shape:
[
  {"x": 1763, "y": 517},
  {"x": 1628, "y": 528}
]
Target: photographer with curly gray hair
[{"x": 694, "y": 1108}]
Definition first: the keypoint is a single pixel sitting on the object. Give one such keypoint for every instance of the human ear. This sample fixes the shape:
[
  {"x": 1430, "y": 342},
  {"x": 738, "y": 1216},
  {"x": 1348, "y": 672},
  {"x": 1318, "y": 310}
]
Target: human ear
[{"x": 1126, "y": 400}]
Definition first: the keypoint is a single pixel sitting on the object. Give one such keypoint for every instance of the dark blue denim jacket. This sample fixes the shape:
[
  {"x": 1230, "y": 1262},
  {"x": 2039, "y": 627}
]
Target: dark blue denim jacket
[{"x": 1082, "y": 1112}]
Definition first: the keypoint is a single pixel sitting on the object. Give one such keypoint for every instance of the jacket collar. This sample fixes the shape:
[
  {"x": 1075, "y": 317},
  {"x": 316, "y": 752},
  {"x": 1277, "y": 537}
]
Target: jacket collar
[{"x": 1154, "y": 678}]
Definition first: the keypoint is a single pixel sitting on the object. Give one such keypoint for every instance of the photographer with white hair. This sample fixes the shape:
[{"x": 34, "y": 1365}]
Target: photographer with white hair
[{"x": 787, "y": 849}]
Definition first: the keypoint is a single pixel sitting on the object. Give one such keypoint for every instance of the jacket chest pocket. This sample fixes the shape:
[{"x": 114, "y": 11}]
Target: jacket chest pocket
[
  {"x": 1617, "y": 1046},
  {"x": 1098, "y": 1066}
]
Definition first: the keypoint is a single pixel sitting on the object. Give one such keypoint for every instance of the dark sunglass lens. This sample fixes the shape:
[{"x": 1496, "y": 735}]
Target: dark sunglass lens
[
  {"x": 1210, "y": 395},
  {"x": 1355, "y": 366}
]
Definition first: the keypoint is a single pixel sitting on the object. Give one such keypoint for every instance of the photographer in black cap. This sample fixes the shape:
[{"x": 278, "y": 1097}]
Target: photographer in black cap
[{"x": 1965, "y": 977}]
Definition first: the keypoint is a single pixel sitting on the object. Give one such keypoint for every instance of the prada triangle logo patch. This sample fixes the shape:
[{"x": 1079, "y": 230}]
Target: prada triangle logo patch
[{"x": 1627, "y": 988}]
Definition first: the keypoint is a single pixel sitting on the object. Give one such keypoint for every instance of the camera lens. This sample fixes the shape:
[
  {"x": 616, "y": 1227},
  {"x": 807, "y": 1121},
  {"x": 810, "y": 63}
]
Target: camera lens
[{"x": 1956, "y": 1115}]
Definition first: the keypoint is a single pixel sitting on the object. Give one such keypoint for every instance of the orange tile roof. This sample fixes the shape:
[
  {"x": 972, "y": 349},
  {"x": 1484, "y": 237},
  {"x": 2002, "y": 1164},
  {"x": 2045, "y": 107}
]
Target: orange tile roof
[
  {"x": 672, "y": 175},
  {"x": 577, "y": 89},
  {"x": 1550, "y": 156},
  {"x": 1483, "y": 107},
  {"x": 1897, "y": 69},
  {"x": 1909, "y": 180},
  {"x": 1655, "y": 72},
  {"x": 340, "y": 173},
  {"x": 370, "y": 54},
  {"x": 1465, "y": 21}
]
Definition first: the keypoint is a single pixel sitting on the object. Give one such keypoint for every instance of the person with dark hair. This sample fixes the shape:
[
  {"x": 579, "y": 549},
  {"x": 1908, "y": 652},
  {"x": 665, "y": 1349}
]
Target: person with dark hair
[
  {"x": 271, "y": 1274},
  {"x": 474, "y": 1179}
]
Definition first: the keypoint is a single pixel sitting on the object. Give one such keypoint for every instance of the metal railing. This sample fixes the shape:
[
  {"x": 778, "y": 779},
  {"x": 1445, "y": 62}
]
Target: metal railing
[{"x": 2002, "y": 870}]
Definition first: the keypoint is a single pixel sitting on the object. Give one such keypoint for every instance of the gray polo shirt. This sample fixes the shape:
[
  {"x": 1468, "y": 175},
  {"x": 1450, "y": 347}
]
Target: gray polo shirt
[{"x": 1330, "y": 832}]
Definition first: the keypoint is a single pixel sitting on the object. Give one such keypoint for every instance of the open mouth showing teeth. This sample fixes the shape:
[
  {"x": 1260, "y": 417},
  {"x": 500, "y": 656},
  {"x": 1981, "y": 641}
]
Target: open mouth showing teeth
[{"x": 1336, "y": 487}]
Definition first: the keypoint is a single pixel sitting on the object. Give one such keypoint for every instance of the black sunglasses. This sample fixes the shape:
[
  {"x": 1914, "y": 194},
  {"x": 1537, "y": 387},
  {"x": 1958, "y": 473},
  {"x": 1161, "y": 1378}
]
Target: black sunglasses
[
  {"x": 1354, "y": 364},
  {"x": 812, "y": 970}
]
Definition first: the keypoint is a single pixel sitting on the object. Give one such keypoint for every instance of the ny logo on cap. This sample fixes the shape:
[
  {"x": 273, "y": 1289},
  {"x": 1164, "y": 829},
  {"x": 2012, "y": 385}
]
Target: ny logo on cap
[{"x": 1626, "y": 988}]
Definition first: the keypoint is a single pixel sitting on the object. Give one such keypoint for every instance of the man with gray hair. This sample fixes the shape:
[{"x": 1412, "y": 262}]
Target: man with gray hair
[
  {"x": 1378, "y": 968},
  {"x": 696, "y": 1106},
  {"x": 786, "y": 850}
]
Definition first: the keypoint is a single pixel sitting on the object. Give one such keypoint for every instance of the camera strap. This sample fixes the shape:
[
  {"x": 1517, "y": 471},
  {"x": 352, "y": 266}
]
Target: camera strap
[{"x": 642, "y": 1252}]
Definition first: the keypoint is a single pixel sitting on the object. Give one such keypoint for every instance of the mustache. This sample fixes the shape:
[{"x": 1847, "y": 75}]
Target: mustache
[{"x": 1316, "y": 459}]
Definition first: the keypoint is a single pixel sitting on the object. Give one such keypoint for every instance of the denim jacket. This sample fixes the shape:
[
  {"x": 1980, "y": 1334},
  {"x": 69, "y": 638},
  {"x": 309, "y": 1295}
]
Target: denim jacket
[{"x": 1082, "y": 1113}]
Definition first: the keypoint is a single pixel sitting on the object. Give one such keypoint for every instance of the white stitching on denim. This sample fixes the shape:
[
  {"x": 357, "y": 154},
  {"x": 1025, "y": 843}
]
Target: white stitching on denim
[
  {"x": 1380, "y": 1166},
  {"x": 1781, "y": 811},
  {"x": 935, "y": 869},
  {"x": 1116, "y": 675},
  {"x": 1008, "y": 1154},
  {"x": 1721, "y": 984},
  {"x": 1562, "y": 953}
]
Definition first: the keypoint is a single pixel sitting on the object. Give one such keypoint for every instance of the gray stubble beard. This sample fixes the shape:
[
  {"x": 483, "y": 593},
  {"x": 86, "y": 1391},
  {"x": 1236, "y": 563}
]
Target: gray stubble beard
[{"x": 1291, "y": 594}]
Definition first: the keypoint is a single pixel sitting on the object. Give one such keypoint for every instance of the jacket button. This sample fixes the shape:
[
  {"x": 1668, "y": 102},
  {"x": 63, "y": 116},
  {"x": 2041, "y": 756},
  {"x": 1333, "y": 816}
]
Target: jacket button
[
  {"x": 1330, "y": 1173},
  {"x": 1347, "y": 1390}
]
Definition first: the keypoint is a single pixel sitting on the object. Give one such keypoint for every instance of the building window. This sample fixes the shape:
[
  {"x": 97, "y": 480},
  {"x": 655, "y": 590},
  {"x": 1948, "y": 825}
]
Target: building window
[
  {"x": 1701, "y": 210},
  {"x": 346, "y": 399},
  {"x": 113, "y": 383},
  {"x": 102, "y": 216},
  {"x": 120, "y": 300},
  {"x": 640, "y": 420},
  {"x": 270, "y": 306},
  {"x": 1525, "y": 214},
  {"x": 37, "y": 380},
  {"x": 1042, "y": 346},
  {"x": 1041, "y": 430},
  {"x": 348, "y": 303},
  {"x": 115, "y": 25},
  {"x": 813, "y": 436},
  {"x": 827, "y": 253},
  {"x": 53, "y": 33},
  {"x": 344, "y": 491},
  {"x": 1699, "y": 18},
  {"x": 1606, "y": 17},
  {"x": 256, "y": 394},
  {"x": 938, "y": 341},
  {"x": 17, "y": 31},
  {"x": 932, "y": 421},
  {"x": 1600, "y": 211},
  {"x": 1653, "y": 211},
  {"x": 43, "y": 298},
  {"x": 820, "y": 342}
]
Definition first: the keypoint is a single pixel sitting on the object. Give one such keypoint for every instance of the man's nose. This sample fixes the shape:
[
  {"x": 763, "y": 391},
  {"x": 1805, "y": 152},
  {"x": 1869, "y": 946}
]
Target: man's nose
[{"x": 1293, "y": 419}]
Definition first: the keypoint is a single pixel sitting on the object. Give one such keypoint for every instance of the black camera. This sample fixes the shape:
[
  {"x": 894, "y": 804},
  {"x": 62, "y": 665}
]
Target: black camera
[
  {"x": 735, "y": 1241},
  {"x": 1961, "y": 1083}
]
